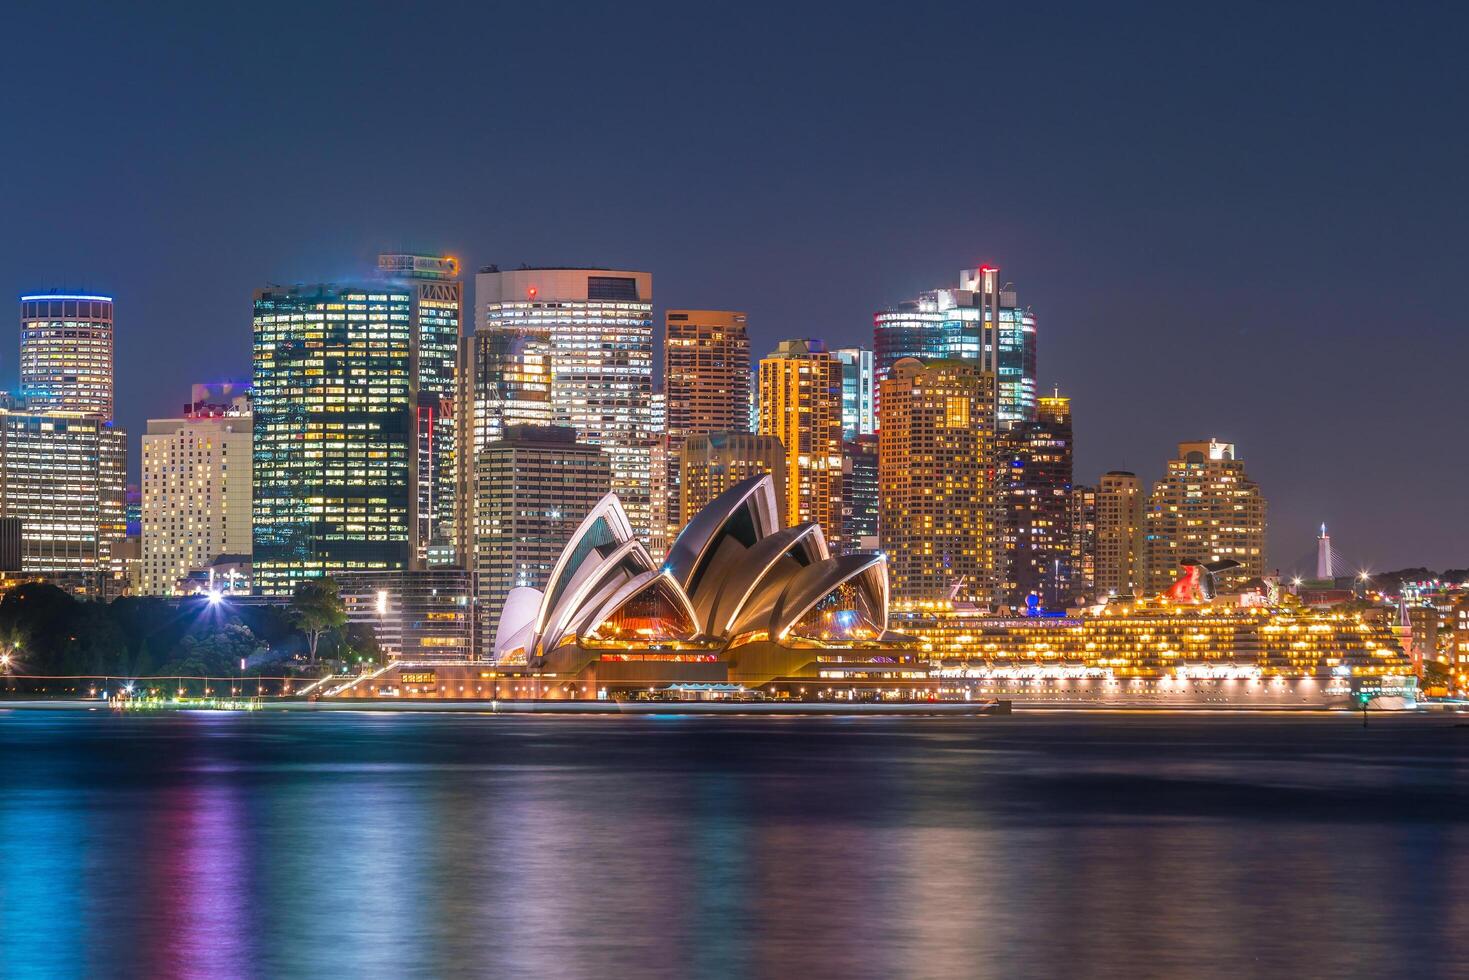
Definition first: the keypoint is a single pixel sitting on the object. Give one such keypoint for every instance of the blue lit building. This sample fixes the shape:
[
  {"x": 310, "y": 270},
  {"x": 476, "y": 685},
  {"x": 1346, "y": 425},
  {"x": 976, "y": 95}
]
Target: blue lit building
[
  {"x": 979, "y": 321},
  {"x": 859, "y": 380}
]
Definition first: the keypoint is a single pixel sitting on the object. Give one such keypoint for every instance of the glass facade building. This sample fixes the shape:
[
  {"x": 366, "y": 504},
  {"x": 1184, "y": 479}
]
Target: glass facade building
[
  {"x": 860, "y": 494},
  {"x": 1033, "y": 473},
  {"x": 979, "y": 321},
  {"x": 436, "y": 314},
  {"x": 600, "y": 326},
  {"x": 66, "y": 348},
  {"x": 333, "y": 387},
  {"x": 859, "y": 380}
]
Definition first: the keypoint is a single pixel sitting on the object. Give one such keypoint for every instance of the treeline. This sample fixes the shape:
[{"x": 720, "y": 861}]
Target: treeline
[{"x": 48, "y": 632}]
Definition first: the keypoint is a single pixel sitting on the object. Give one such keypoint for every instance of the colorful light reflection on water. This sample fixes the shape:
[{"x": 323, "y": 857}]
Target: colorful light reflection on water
[{"x": 377, "y": 844}]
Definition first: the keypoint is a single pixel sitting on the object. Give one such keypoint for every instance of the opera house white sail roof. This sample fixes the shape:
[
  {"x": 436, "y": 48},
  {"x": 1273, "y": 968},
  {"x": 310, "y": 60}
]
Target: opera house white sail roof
[{"x": 733, "y": 576}]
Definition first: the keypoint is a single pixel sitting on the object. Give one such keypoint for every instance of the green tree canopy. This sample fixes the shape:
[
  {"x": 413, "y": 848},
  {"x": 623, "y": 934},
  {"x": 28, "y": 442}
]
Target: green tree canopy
[{"x": 316, "y": 609}]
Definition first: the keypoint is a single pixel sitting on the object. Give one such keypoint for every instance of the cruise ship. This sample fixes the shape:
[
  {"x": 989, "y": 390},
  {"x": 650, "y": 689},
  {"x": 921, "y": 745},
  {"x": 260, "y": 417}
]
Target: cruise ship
[{"x": 1239, "y": 651}]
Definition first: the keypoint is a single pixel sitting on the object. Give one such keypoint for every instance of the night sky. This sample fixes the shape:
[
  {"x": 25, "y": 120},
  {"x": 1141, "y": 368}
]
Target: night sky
[{"x": 1237, "y": 221}]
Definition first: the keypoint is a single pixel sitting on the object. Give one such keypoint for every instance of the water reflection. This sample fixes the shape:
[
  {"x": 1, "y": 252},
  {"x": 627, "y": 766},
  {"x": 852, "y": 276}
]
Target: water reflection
[{"x": 387, "y": 845}]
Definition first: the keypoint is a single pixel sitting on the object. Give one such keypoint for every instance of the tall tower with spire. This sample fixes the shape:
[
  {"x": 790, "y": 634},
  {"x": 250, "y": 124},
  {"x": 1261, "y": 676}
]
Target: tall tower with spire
[{"x": 1323, "y": 555}]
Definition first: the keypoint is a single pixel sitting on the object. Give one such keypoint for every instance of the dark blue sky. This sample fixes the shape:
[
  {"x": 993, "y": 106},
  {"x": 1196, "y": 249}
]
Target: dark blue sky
[{"x": 1242, "y": 221}]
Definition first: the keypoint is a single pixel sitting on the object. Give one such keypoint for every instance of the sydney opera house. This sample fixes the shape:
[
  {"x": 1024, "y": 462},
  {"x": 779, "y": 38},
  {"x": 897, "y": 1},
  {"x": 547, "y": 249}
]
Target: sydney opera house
[{"x": 740, "y": 603}]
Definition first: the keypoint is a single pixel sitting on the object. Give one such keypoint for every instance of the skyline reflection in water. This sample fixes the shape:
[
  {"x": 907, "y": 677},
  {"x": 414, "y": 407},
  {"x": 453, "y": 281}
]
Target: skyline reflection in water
[{"x": 380, "y": 844}]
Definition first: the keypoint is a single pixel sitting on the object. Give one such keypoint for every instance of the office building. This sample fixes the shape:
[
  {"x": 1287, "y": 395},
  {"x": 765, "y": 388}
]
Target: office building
[
  {"x": 422, "y": 616},
  {"x": 859, "y": 378},
  {"x": 1033, "y": 463},
  {"x": 435, "y": 314},
  {"x": 861, "y": 501},
  {"x": 711, "y": 463},
  {"x": 63, "y": 476},
  {"x": 196, "y": 488},
  {"x": 801, "y": 405},
  {"x": 981, "y": 321},
  {"x": 333, "y": 391},
  {"x": 600, "y": 326},
  {"x": 935, "y": 524},
  {"x": 66, "y": 354},
  {"x": 1121, "y": 551},
  {"x": 706, "y": 386},
  {"x": 504, "y": 380},
  {"x": 1083, "y": 542},
  {"x": 532, "y": 488},
  {"x": 1205, "y": 509}
]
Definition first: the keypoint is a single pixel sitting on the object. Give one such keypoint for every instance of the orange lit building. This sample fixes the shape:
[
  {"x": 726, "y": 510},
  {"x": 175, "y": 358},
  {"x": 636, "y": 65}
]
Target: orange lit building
[{"x": 801, "y": 405}]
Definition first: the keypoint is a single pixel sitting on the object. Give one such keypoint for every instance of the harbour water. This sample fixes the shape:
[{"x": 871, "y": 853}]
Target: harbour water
[{"x": 1037, "y": 845}]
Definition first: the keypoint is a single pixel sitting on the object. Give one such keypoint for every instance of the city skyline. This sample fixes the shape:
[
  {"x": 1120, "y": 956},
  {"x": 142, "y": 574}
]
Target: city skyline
[{"x": 1229, "y": 243}]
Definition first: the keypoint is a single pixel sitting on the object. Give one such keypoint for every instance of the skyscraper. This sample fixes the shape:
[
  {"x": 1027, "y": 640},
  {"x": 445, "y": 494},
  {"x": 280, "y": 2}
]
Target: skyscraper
[
  {"x": 706, "y": 383},
  {"x": 64, "y": 462},
  {"x": 861, "y": 499},
  {"x": 1121, "y": 553},
  {"x": 1083, "y": 541},
  {"x": 1033, "y": 484},
  {"x": 979, "y": 321},
  {"x": 333, "y": 395},
  {"x": 504, "y": 380},
  {"x": 859, "y": 377},
  {"x": 535, "y": 484},
  {"x": 66, "y": 350},
  {"x": 196, "y": 489},
  {"x": 1204, "y": 509},
  {"x": 64, "y": 476},
  {"x": 801, "y": 405},
  {"x": 711, "y": 463},
  {"x": 435, "y": 317},
  {"x": 933, "y": 459},
  {"x": 600, "y": 326}
]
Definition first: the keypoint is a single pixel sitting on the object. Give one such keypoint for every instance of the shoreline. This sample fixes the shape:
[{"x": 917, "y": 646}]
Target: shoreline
[{"x": 646, "y": 708}]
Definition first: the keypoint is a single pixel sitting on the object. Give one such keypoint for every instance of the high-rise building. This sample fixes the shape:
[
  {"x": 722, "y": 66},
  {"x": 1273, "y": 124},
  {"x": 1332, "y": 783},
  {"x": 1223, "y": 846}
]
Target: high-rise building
[
  {"x": 706, "y": 384},
  {"x": 1121, "y": 546},
  {"x": 333, "y": 392},
  {"x": 63, "y": 475},
  {"x": 801, "y": 405},
  {"x": 859, "y": 378},
  {"x": 66, "y": 354},
  {"x": 504, "y": 380},
  {"x": 1083, "y": 541},
  {"x": 196, "y": 489},
  {"x": 434, "y": 321},
  {"x": 861, "y": 500},
  {"x": 933, "y": 459},
  {"x": 1033, "y": 487},
  {"x": 980, "y": 321},
  {"x": 711, "y": 463},
  {"x": 534, "y": 485},
  {"x": 600, "y": 324},
  {"x": 1205, "y": 509}
]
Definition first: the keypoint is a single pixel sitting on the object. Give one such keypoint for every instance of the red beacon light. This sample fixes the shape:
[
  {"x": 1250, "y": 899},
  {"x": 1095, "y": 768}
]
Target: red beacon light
[{"x": 531, "y": 292}]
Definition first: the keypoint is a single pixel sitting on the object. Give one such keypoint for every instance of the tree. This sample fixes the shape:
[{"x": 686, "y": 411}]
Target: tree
[
  {"x": 359, "y": 640},
  {"x": 316, "y": 609},
  {"x": 215, "y": 653}
]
